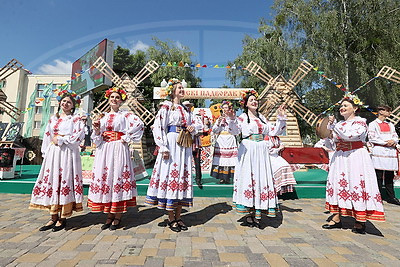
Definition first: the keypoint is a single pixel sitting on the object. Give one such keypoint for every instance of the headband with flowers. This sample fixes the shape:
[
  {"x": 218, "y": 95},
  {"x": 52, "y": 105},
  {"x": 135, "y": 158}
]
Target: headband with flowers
[
  {"x": 354, "y": 98},
  {"x": 64, "y": 93},
  {"x": 230, "y": 105},
  {"x": 170, "y": 86},
  {"x": 246, "y": 94},
  {"x": 116, "y": 90}
]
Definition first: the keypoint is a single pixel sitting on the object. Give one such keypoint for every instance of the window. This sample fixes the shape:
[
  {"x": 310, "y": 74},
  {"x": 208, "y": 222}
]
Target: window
[
  {"x": 52, "y": 108},
  {"x": 37, "y": 125},
  {"x": 2, "y": 84},
  {"x": 38, "y": 110},
  {"x": 41, "y": 86}
]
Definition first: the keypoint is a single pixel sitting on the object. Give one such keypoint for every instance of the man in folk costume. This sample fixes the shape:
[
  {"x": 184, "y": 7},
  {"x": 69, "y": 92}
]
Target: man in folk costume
[{"x": 383, "y": 137}]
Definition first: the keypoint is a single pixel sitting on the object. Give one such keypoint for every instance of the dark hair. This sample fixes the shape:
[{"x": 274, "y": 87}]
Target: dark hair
[
  {"x": 385, "y": 108},
  {"x": 246, "y": 110},
  {"x": 59, "y": 105}
]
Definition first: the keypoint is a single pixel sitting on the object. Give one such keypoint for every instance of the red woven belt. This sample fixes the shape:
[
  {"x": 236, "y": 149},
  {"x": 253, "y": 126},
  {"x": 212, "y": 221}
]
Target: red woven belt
[
  {"x": 110, "y": 136},
  {"x": 347, "y": 146}
]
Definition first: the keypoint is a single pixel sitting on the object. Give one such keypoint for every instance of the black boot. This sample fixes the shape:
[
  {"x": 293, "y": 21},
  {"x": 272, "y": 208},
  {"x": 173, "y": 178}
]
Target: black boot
[
  {"x": 391, "y": 195},
  {"x": 199, "y": 184}
]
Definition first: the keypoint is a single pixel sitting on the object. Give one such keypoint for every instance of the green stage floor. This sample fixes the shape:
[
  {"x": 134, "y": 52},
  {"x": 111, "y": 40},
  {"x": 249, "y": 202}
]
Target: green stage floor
[{"x": 310, "y": 184}]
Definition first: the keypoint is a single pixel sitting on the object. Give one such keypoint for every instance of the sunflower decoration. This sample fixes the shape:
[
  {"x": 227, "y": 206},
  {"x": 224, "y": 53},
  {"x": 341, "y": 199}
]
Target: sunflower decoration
[
  {"x": 116, "y": 90},
  {"x": 67, "y": 92},
  {"x": 246, "y": 94},
  {"x": 168, "y": 90},
  {"x": 354, "y": 98}
]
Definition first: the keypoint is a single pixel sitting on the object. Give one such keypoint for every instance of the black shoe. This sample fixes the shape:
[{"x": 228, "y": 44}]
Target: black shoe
[
  {"x": 249, "y": 222},
  {"x": 359, "y": 230},
  {"x": 394, "y": 201},
  {"x": 114, "y": 227},
  {"x": 182, "y": 225},
  {"x": 199, "y": 184},
  {"x": 332, "y": 226},
  {"x": 175, "y": 228},
  {"x": 107, "y": 225},
  {"x": 47, "y": 227},
  {"x": 60, "y": 227}
]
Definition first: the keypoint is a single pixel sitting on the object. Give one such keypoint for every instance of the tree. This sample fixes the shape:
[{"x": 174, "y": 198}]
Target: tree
[
  {"x": 348, "y": 40},
  {"x": 161, "y": 51}
]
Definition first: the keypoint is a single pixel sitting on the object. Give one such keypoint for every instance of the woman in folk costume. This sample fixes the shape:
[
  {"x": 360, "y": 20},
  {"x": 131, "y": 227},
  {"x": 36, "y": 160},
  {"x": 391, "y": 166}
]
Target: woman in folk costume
[
  {"x": 282, "y": 170},
  {"x": 352, "y": 189},
  {"x": 113, "y": 186},
  {"x": 254, "y": 189},
  {"x": 384, "y": 139},
  {"x": 170, "y": 185},
  {"x": 226, "y": 149},
  {"x": 59, "y": 187}
]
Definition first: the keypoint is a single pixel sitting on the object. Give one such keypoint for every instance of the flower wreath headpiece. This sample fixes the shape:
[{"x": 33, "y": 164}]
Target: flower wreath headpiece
[
  {"x": 63, "y": 93},
  {"x": 170, "y": 86},
  {"x": 116, "y": 90},
  {"x": 230, "y": 105},
  {"x": 246, "y": 94},
  {"x": 354, "y": 98}
]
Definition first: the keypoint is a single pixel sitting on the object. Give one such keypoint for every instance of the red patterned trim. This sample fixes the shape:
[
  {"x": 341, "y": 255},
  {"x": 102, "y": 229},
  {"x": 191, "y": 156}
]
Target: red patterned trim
[
  {"x": 184, "y": 122},
  {"x": 361, "y": 216},
  {"x": 57, "y": 125},
  {"x": 259, "y": 125},
  {"x": 109, "y": 136},
  {"x": 109, "y": 122},
  {"x": 112, "y": 207}
]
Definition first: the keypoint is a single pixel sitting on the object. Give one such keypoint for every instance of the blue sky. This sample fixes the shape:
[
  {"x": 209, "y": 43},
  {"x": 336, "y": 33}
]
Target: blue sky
[{"x": 47, "y": 35}]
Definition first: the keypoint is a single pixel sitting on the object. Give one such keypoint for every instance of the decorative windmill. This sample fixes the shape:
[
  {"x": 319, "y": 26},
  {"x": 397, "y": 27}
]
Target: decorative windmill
[
  {"x": 130, "y": 85},
  {"x": 12, "y": 66},
  {"x": 394, "y": 76},
  {"x": 279, "y": 91}
]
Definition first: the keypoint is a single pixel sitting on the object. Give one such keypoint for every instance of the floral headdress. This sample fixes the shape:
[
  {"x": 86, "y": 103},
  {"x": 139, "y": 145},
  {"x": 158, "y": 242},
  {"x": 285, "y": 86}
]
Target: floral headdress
[
  {"x": 354, "y": 98},
  {"x": 246, "y": 94},
  {"x": 64, "y": 93},
  {"x": 168, "y": 90},
  {"x": 230, "y": 105},
  {"x": 116, "y": 90}
]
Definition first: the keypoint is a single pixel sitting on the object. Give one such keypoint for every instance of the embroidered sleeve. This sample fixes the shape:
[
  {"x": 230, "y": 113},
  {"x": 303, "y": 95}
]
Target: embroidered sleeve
[
  {"x": 160, "y": 129},
  {"x": 134, "y": 128},
  {"x": 373, "y": 134},
  {"x": 47, "y": 137},
  {"x": 351, "y": 131},
  {"x": 278, "y": 128}
]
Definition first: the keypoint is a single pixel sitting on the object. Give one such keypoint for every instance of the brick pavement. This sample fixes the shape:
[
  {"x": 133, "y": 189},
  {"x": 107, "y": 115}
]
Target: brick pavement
[{"x": 215, "y": 238}]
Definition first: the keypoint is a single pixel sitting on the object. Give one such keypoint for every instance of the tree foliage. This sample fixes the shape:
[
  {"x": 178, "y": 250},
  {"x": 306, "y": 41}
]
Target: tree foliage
[{"x": 349, "y": 40}]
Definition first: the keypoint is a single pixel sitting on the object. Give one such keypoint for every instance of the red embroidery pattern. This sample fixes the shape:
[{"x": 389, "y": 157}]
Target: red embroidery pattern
[
  {"x": 109, "y": 122},
  {"x": 65, "y": 190},
  {"x": 56, "y": 126},
  {"x": 183, "y": 120}
]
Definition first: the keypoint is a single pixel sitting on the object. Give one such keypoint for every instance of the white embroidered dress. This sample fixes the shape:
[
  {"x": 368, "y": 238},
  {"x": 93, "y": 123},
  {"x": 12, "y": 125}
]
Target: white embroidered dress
[
  {"x": 383, "y": 157},
  {"x": 253, "y": 180},
  {"x": 352, "y": 188},
  {"x": 283, "y": 172},
  {"x": 225, "y": 151},
  {"x": 171, "y": 180},
  {"x": 113, "y": 185},
  {"x": 59, "y": 186}
]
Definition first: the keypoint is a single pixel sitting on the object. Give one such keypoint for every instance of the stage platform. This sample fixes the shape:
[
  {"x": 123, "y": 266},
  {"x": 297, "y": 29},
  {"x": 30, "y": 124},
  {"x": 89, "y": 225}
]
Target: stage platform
[{"x": 310, "y": 184}]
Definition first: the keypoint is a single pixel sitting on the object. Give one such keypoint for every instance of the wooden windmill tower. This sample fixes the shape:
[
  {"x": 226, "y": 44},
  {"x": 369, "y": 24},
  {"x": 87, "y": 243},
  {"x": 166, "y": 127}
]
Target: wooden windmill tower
[
  {"x": 394, "y": 76},
  {"x": 134, "y": 95},
  {"x": 279, "y": 91},
  {"x": 11, "y": 67}
]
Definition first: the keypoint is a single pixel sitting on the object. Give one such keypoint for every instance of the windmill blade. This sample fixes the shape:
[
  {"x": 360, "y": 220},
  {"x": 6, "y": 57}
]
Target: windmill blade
[
  {"x": 390, "y": 74},
  {"x": 301, "y": 110},
  {"x": 304, "y": 68},
  {"x": 12, "y": 111},
  {"x": 395, "y": 116},
  {"x": 147, "y": 70},
  {"x": 146, "y": 116},
  {"x": 100, "y": 109},
  {"x": 105, "y": 69},
  {"x": 12, "y": 66},
  {"x": 272, "y": 100}
]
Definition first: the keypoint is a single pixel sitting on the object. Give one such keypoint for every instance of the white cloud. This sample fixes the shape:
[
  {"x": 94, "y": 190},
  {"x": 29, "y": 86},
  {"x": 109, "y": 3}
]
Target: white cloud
[
  {"x": 58, "y": 67},
  {"x": 179, "y": 45},
  {"x": 139, "y": 45}
]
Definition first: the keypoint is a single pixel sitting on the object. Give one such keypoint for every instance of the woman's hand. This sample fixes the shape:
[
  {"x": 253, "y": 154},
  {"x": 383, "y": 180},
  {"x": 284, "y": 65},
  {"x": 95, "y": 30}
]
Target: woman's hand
[
  {"x": 165, "y": 155},
  {"x": 190, "y": 128},
  {"x": 331, "y": 119},
  {"x": 96, "y": 127},
  {"x": 282, "y": 110},
  {"x": 54, "y": 140},
  {"x": 231, "y": 114}
]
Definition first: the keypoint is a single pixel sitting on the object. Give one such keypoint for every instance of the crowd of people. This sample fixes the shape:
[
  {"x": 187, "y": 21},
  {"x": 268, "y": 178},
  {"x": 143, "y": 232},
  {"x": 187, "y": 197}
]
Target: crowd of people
[{"x": 259, "y": 174}]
